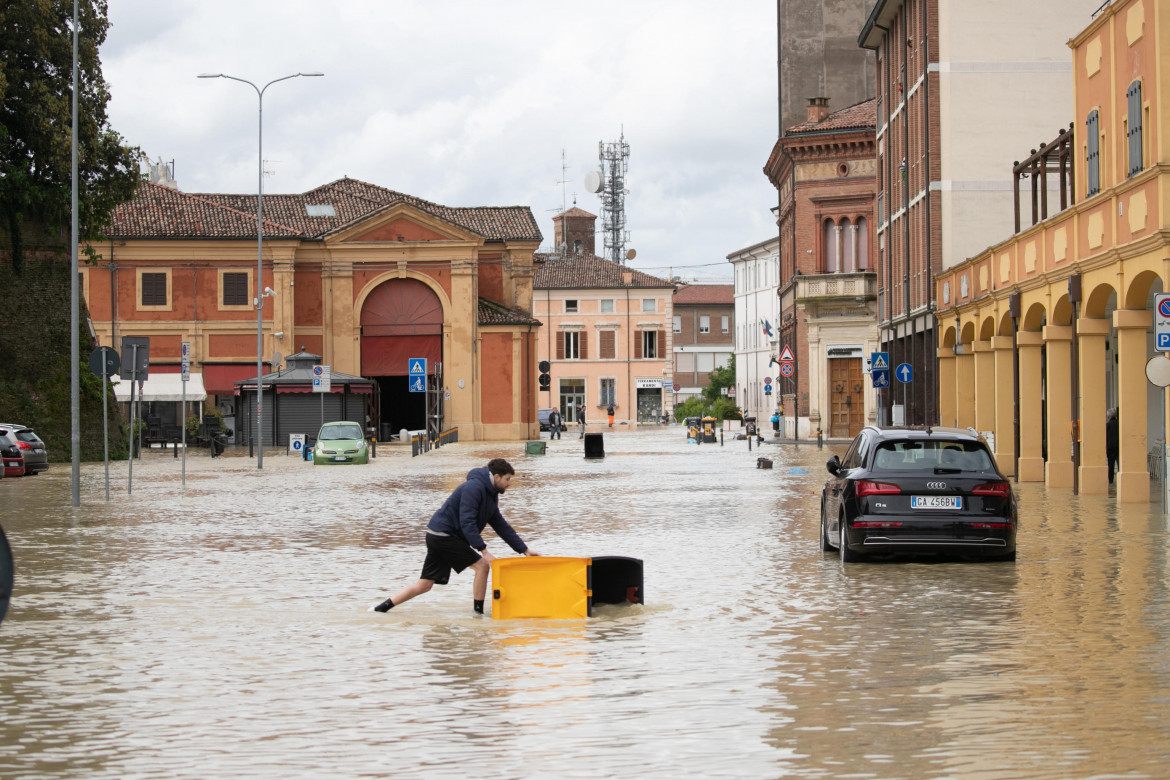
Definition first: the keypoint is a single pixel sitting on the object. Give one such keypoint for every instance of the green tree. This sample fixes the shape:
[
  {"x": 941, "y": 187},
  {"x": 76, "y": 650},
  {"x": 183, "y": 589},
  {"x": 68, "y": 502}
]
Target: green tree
[
  {"x": 36, "y": 93},
  {"x": 692, "y": 407},
  {"x": 720, "y": 378}
]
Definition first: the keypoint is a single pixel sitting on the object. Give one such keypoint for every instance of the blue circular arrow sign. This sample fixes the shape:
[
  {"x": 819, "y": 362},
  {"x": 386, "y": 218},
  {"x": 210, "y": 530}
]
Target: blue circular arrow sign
[{"x": 904, "y": 372}]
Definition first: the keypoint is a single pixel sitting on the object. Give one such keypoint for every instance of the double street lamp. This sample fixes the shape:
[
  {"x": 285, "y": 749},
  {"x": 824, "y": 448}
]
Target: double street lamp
[{"x": 268, "y": 293}]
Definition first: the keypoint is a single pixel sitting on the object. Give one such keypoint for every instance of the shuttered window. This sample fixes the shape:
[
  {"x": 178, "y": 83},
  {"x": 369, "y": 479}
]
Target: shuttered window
[
  {"x": 1133, "y": 131},
  {"x": 154, "y": 289},
  {"x": 649, "y": 343},
  {"x": 1093, "y": 155},
  {"x": 235, "y": 289},
  {"x": 608, "y": 345}
]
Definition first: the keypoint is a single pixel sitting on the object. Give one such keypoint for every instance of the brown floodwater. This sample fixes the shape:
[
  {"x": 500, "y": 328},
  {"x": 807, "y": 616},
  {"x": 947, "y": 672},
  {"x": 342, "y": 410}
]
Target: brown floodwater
[{"x": 220, "y": 628}]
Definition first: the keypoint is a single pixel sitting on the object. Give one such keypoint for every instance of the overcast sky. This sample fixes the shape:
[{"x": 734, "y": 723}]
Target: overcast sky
[{"x": 469, "y": 103}]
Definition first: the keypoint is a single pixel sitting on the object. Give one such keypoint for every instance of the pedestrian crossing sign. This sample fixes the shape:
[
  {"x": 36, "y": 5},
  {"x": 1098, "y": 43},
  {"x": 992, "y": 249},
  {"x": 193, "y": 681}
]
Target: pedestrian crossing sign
[
  {"x": 879, "y": 361},
  {"x": 417, "y": 367}
]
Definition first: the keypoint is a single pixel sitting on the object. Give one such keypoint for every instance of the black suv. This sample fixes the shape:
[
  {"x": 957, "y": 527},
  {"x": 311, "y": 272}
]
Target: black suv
[{"x": 917, "y": 490}]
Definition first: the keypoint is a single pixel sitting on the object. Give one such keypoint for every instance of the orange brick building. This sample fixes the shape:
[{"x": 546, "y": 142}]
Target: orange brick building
[{"x": 366, "y": 277}]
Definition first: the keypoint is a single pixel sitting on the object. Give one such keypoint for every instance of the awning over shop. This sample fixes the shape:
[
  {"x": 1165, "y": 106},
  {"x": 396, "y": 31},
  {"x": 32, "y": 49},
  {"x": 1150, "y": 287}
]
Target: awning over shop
[{"x": 162, "y": 387}]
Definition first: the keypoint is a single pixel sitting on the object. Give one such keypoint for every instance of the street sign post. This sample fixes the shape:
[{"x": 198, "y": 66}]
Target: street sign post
[
  {"x": 1162, "y": 322},
  {"x": 881, "y": 378},
  {"x": 417, "y": 375},
  {"x": 879, "y": 361},
  {"x": 905, "y": 373}
]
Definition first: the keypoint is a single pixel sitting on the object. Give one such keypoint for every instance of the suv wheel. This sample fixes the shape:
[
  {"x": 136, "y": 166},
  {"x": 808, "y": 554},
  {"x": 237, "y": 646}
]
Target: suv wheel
[
  {"x": 825, "y": 544},
  {"x": 847, "y": 555}
]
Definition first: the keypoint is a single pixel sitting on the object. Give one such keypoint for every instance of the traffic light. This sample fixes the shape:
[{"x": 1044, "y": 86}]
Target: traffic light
[{"x": 544, "y": 379}]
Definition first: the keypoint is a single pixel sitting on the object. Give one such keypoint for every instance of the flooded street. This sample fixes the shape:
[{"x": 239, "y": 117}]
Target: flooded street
[{"x": 221, "y": 629}]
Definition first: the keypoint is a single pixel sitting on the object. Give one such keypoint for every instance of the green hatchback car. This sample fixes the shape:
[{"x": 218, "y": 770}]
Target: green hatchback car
[{"x": 340, "y": 442}]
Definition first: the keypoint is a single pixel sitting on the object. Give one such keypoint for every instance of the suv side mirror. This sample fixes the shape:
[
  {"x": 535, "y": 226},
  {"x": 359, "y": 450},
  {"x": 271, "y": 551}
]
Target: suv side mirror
[{"x": 834, "y": 465}]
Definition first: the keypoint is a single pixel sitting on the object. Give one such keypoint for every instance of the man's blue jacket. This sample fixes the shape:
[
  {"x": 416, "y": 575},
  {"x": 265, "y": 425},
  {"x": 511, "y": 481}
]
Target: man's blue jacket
[{"x": 473, "y": 505}]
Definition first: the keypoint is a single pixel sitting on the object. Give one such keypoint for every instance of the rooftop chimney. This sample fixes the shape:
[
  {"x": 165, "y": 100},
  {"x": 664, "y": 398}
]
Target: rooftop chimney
[
  {"x": 818, "y": 109},
  {"x": 627, "y": 278}
]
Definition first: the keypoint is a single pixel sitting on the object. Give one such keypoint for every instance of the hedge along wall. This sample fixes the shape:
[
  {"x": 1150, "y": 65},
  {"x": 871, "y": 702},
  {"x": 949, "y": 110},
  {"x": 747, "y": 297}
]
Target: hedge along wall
[{"x": 34, "y": 354}]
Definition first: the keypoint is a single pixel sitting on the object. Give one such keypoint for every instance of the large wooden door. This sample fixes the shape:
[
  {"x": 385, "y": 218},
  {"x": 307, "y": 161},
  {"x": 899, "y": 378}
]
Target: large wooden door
[{"x": 846, "y": 403}]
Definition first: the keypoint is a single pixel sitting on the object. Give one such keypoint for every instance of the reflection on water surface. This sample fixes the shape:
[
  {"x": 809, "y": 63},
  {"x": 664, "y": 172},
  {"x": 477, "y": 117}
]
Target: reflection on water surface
[{"x": 219, "y": 629}]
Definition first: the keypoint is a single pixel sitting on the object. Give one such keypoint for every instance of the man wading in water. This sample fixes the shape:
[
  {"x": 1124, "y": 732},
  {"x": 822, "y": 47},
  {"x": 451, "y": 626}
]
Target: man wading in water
[{"x": 453, "y": 534}]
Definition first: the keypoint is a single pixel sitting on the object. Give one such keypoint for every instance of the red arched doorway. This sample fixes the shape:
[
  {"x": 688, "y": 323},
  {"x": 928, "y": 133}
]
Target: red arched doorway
[{"x": 401, "y": 319}]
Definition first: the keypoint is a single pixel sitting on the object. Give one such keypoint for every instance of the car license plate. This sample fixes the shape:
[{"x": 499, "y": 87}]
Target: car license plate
[
  {"x": 340, "y": 457},
  {"x": 936, "y": 502},
  {"x": 38, "y": 452}
]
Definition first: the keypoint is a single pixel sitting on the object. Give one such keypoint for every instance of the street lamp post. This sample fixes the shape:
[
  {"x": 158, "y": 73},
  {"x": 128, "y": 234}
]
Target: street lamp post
[{"x": 268, "y": 293}]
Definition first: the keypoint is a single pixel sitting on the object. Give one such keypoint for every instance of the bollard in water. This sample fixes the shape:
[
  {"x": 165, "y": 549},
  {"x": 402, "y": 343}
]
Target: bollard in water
[
  {"x": 820, "y": 439},
  {"x": 720, "y": 437}
]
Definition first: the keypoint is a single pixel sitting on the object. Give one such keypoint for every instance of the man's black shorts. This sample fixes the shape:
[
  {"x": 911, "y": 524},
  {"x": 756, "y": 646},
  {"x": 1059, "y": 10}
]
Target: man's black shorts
[{"x": 445, "y": 553}]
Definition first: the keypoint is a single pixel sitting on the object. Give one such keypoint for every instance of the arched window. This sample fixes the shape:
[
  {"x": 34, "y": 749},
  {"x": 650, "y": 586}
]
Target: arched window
[
  {"x": 831, "y": 247},
  {"x": 848, "y": 244},
  {"x": 862, "y": 244}
]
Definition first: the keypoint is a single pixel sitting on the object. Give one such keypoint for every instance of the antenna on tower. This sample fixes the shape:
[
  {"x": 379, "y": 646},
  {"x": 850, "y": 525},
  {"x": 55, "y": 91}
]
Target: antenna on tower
[{"x": 610, "y": 183}]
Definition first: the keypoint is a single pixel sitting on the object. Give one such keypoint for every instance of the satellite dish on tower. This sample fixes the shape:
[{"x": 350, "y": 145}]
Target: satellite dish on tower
[
  {"x": 593, "y": 182},
  {"x": 631, "y": 254}
]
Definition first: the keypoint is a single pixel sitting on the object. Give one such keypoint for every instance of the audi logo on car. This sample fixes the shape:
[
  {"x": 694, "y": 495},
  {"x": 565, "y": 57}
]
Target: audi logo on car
[{"x": 936, "y": 486}]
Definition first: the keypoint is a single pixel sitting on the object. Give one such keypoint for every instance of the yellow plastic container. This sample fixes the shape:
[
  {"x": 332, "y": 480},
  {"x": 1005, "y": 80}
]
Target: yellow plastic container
[{"x": 541, "y": 587}]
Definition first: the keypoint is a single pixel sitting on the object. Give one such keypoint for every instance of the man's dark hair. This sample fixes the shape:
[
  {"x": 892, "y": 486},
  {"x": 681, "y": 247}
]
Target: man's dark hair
[{"x": 500, "y": 467}]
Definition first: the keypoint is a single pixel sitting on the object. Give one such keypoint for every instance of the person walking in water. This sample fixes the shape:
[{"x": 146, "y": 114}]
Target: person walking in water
[
  {"x": 453, "y": 535},
  {"x": 609, "y": 411},
  {"x": 581, "y": 419},
  {"x": 1112, "y": 442},
  {"x": 554, "y": 424}
]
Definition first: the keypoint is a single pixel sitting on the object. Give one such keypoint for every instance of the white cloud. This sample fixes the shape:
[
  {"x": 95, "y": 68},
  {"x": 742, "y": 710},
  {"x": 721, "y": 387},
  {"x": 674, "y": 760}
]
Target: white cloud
[{"x": 469, "y": 103}]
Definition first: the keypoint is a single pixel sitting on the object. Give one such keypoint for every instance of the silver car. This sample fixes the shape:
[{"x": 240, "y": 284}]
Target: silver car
[{"x": 36, "y": 455}]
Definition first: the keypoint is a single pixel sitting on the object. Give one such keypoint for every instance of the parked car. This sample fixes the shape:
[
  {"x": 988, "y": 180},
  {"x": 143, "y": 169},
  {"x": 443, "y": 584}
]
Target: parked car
[
  {"x": 32, "y": 449},
  {"x": 917, "y": 490},
  {"x": 542, "y": 418},
  {"x": 341, "y": 442},
  {"x": 13, "y": 461}
]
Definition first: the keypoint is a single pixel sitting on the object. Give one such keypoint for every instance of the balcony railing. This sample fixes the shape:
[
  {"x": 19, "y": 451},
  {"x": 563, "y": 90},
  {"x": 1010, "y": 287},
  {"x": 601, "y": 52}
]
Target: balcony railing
[{"x": 857, "y": 285}]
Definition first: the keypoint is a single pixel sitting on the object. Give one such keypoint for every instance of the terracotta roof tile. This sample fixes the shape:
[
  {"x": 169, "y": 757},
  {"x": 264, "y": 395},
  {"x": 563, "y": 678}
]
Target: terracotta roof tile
[
  {"x": 856, "y": 117},
  {"x": 492, "y": 313},
  {"x": 576, "y": 211},
  {"x": 586, "y": 271},
  {"x": 161, "y": 212},
  {"x": 697, "y": 294}
]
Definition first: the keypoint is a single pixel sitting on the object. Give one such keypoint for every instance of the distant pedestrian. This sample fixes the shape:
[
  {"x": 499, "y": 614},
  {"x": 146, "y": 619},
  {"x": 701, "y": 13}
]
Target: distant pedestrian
[
  {"x": 1112, "y": 441},
  {"x": 453, "y": 535},
  {"x": 581, "y": 419},
  {"x": 554, "y": 424},
  {"x": 609, "y": 411},
  {"x": 775, "y": 423}
]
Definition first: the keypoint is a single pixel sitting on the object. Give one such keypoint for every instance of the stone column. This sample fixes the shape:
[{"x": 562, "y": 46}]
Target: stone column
[
  {"x": 1028, "y": 343},
  {"x": 1133, "y": 477},
  {"x": 1093, "y": 473},
  {"x": 965, "y": 387},
  {"x": 853, "y": 254},
  {"x": 839, "y": 249},
  {"x": 1005, "y": 426},
  {"x": 1058, "y": 386},
  {"x": 984, "y": 386},
  {"x": 946, "y": 386}
]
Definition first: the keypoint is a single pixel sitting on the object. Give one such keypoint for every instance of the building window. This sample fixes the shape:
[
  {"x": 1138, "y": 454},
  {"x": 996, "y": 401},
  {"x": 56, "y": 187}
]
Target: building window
[
  {"x": 1093, "y": 154},
  {"x": 577, "y": 247},
  {"x": 154, "y": 290},
  {"x": 572, "y": 345},
  {"x": 649, "y": 343},
  {"x": 829, "y": 235},
  {"x": 608, "y": 394},
  {"x": 234, "y": 285},
  {"x": 608, "y": 347},
  {"x": 649, "y": 305},
  {"x": 862, "y": 230},
  {"x": 677, "y": 323},
  {"x": 570, "y": 306},
  {"x": 704, "y": 323},
  {"x": 1133, "y": 132},
  {"x": 725, "y": 325},
  {"x": 606, "y": 305}
]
